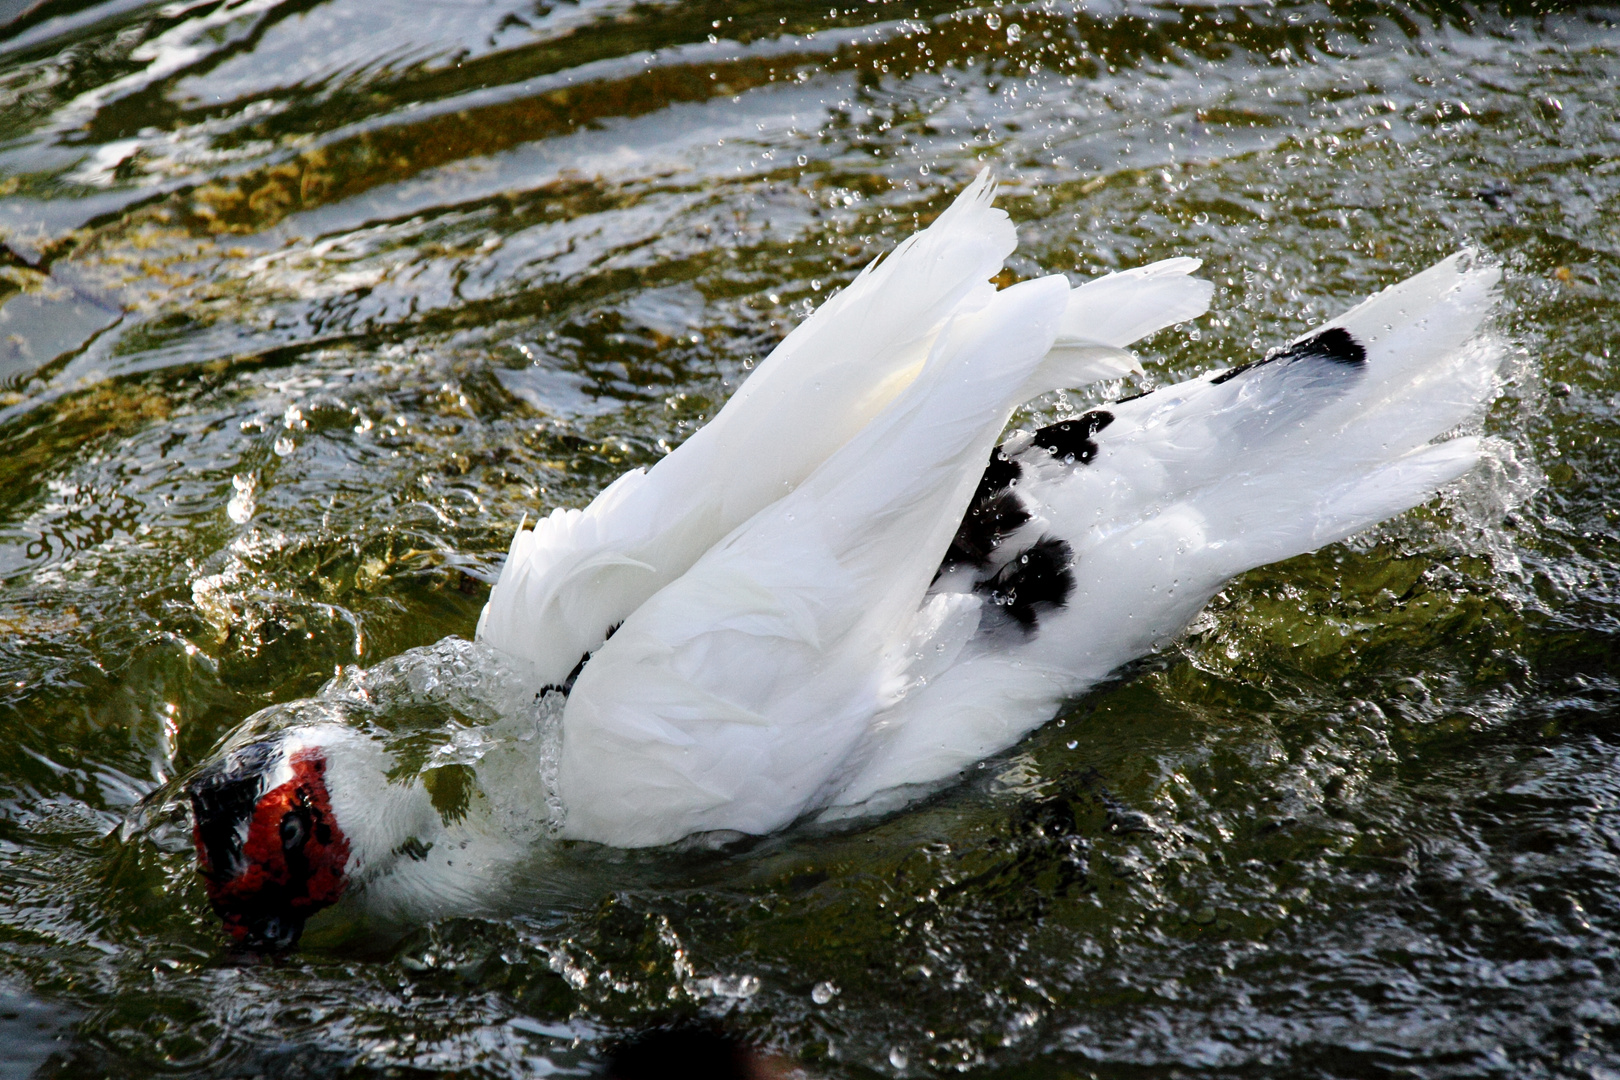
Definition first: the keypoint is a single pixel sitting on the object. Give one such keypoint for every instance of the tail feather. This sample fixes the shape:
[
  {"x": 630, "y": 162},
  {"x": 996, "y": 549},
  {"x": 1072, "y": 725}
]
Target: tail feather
[
  {"x": 1390, "y": 375},
  {"x": 1391, "y": 489},
  {"x": 1427, "y": 368}
]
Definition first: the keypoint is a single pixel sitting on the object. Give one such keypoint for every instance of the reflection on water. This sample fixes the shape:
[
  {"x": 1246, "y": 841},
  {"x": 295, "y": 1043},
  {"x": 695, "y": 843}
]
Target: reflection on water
[{"x": 303, "y": 305}]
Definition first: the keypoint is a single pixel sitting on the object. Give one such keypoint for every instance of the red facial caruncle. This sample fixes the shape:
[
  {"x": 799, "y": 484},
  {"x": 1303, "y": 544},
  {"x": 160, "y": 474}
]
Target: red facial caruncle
[{"x": 272, "y": 856}]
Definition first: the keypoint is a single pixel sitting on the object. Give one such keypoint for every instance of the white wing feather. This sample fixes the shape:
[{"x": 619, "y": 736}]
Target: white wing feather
[
  {"x": 730, "y": 698},
  {"x": 577, "y": 573},
  {"x": 1105, "y": 315}
]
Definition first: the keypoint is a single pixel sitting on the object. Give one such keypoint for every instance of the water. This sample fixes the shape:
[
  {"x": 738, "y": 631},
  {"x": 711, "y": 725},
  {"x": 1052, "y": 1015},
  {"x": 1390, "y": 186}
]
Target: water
[{"x": 306, "y": 304}]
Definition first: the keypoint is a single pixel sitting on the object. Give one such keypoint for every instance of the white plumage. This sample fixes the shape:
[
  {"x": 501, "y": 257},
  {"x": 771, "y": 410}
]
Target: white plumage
[
  {"x": 785, "y": 645},
  {"x": 579, "y": 572},
  {"x": 1190, "y": 486},
  {"x": 824, "y": 600}
]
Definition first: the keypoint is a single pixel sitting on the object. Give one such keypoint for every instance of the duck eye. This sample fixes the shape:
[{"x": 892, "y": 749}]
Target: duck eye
[{"x": 294, "y": 831}]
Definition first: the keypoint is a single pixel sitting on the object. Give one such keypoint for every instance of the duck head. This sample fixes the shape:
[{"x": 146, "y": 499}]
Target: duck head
[{"x": 269, "y": 845}]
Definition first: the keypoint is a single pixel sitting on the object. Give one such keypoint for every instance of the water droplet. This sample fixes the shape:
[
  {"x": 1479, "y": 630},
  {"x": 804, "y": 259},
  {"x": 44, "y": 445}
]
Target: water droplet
[
  {"x": 241, "y": 506},
  {"x": 993, "y": 21},
  {"x": 1014, "y": 34},
  {"x": 898, "y": 1057},
  {"x": 823, "y": 992},
  {"x": 285, "y": 446},
  {"x": 803, "y": 161}
]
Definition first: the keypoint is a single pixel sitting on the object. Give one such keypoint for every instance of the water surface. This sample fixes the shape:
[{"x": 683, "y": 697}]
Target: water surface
[{"x": 304, "y": 304}]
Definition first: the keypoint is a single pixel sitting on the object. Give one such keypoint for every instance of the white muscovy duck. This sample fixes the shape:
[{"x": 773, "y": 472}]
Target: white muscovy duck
[{"x": 824, "y": 602}]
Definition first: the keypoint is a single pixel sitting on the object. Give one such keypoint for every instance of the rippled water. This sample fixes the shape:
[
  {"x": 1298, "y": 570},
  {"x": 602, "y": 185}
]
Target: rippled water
[{"x": 306, "y": 303}]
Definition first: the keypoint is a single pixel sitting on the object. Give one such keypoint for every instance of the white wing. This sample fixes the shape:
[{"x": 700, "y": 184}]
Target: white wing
[
  {"x": 730, "y": 699},
  {"x": 577, "y": 573}
]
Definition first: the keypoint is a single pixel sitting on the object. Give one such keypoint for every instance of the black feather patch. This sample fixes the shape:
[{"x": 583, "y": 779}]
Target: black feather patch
[
  {"x": 567, "y": 685},
  {"x": 1039, "y": 580},
  {"x": 996, "y": 510},
  {"x": 1002, "y": 473},
  {"x": 1073, "y": 441},
  {"x": 1336, "y": 345}
]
